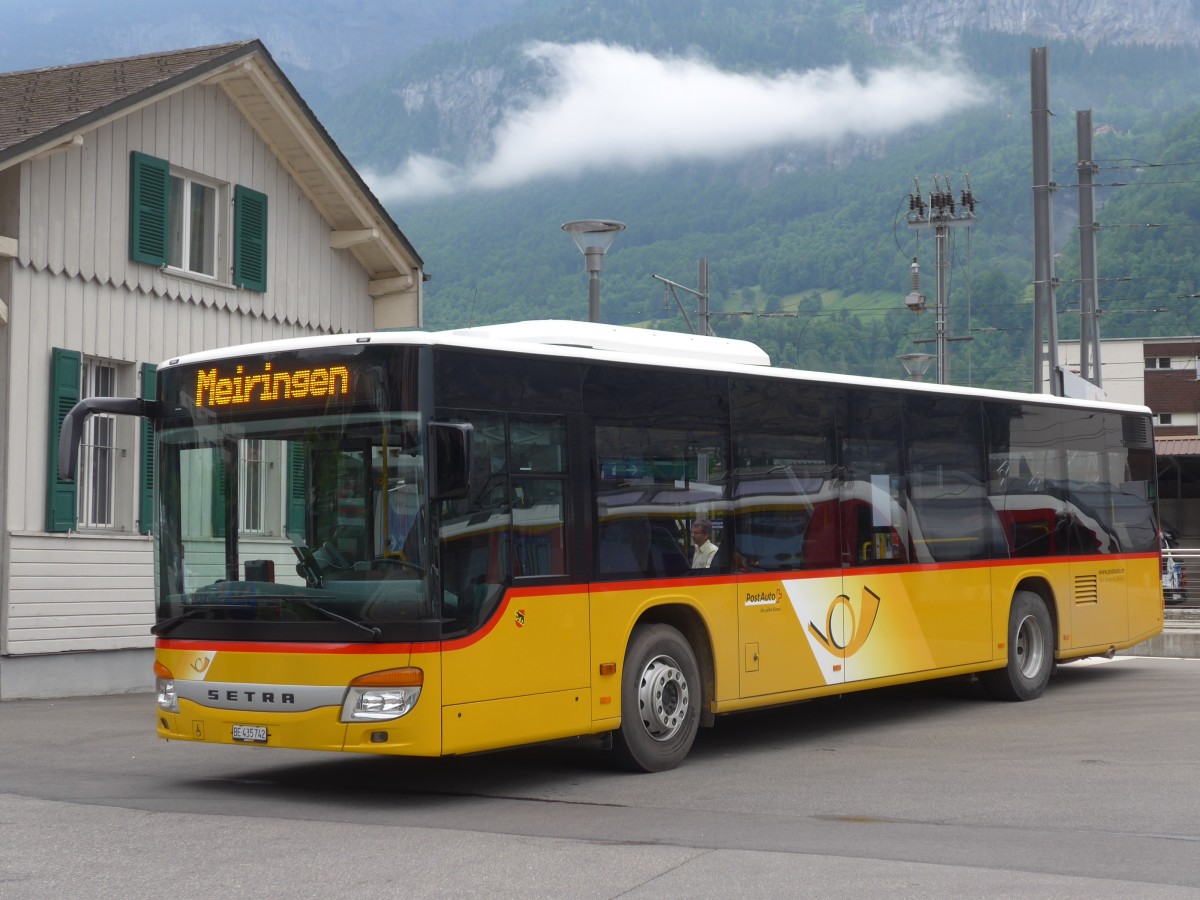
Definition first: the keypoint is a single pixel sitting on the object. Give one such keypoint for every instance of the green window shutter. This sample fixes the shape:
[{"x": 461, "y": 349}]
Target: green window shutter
[
  {"x": 65, "y": 368},
  {"x": 149, "y": 200},
  {"x": 218, "y": 492},
  {"x": 146, "y": 484},
  {"x": 296, "y": 491},
  {"x": 249, "y": 239}
]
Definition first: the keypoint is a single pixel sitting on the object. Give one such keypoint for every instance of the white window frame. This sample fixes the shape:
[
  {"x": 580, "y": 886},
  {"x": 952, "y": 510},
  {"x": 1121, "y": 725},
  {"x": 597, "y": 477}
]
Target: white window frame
[
  {"x": 261, "y": 497},
  {"x": 251, "y": 486},
  {"x": 1177, "y": 419},
  {"x": 96, "y": 505},
  {"x": 180, "y": 226}
]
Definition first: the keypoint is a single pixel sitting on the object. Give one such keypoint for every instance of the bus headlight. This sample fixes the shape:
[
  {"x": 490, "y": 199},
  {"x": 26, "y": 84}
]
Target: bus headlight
[
  {"x": 381, "y": 696},
  {"x": 164, "y": 684}
]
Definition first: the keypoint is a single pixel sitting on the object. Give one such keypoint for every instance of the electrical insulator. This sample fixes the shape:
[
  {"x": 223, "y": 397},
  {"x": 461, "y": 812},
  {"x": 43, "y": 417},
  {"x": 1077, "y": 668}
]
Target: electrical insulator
[{"x": 915, "y": 300}]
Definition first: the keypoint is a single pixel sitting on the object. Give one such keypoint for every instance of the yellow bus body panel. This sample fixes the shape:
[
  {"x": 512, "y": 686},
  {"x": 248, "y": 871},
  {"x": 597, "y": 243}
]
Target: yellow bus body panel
[
  {"x": 509, "y": 722},
  {"x": 535, "y": 643},
  {"x": 616, "y": 609},
  {"x": 199, "y": 668},
  {"x": 549, "y": 662}
]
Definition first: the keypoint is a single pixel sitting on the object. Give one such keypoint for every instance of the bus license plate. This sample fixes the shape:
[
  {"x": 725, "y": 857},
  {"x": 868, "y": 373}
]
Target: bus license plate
[{"x": 251, "y": 734}]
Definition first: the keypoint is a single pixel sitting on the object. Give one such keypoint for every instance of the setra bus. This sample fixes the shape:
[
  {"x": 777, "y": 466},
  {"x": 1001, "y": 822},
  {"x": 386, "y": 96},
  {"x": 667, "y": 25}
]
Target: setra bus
[{"x": 442, "y": 543}]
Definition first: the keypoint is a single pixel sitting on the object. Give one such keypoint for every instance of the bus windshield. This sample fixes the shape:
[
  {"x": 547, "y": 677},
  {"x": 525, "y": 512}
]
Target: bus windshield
[
  {"x": 300, "y": 526},
  {"x": 291, "y": 502}
]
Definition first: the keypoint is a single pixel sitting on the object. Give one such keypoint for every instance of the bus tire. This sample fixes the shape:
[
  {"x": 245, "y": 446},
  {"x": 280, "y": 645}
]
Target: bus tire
[
  {"x": 661, "y": 697},
  {"x": 1030, "y": 651}
]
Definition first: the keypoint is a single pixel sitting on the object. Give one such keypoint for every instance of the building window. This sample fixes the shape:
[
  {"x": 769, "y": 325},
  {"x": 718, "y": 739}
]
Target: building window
[
  {"x": 1189, "y": 420},
  {"x": 250, "y": 490},
  {"x": 192, "y": 214},
  {"x": 180, "y": 219},
  {"x": 98, "y": 449},
  {"x": 1158, "y": 362},
  {"x": 115, "y": 466}
]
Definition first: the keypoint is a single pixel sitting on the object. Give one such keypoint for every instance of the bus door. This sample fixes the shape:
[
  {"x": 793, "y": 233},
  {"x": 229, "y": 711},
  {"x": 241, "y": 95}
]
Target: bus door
[
  {"x": 876, "y": 622},
  {"x": 515, "y": 650},
  {"x": 789, "y": 578},
  {"x": 786, "y": 492},
  {"x": 919, "y": 534}
]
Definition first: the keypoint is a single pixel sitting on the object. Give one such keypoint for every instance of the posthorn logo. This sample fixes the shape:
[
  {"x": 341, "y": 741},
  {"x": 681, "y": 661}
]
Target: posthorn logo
[{"x": 846, "y": 629}]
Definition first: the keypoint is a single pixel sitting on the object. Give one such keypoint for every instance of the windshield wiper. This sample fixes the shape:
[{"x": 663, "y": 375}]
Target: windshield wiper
[
  {"x": 373, "y": 630},
  {"x": 168, "y": 625},
  {"x": 161, "y": 628}
]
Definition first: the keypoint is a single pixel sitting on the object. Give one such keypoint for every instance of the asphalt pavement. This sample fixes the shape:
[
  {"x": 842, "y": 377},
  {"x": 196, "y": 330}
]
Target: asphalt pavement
[{"x": 923, "y": 791}]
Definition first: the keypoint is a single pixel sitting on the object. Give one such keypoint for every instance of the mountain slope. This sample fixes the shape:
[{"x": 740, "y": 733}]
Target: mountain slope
[{"x": 808, "y": 249}]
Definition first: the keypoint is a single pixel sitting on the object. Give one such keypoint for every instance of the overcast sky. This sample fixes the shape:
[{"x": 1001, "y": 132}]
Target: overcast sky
[{"x": 610, "y": 107}]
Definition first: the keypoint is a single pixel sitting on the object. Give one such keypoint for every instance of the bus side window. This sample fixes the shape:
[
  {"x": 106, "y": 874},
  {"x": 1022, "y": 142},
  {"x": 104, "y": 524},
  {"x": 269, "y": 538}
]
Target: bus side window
[
  {"x": 950, "y": 517},
  {"x": 785, "y": 490},
  {"x": 538, "y": 465},
  {"x": 539, "y": 523},
  {"x": 474, "y": 531},
  {"x": 1026, "y": 487},
  {"x": 653, "y": 486},
  {"x": 873, "y": 487}
]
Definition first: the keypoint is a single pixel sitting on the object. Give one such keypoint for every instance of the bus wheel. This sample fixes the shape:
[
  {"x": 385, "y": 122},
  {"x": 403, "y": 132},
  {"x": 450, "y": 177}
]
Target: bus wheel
[
  {"x": 1030, "y": 651},
  {"x": 660, "y": 700}
]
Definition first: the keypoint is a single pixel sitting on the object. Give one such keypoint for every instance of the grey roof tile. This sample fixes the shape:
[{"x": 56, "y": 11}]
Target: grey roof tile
[{"x": 38, "y": 103}]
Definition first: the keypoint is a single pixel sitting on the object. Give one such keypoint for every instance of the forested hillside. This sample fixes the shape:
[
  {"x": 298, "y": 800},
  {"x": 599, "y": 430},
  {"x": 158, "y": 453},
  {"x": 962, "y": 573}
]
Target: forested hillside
[{"x": 808, "y": 248}]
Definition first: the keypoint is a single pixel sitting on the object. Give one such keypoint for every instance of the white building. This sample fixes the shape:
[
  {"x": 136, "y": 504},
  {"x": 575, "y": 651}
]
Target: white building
[{"x": 150, "y": 207}]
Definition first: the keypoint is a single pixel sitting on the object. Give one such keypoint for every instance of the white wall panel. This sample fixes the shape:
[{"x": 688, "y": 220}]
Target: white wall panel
[
  {"x": 39, "y": 212},
  {"x": 56, "y": 209},
  {"x": 79, "y": 593},
  {"x": 19, "y": 421},
  {"x": 89, "y": 159},
  {"x": 73, "y": 213}
]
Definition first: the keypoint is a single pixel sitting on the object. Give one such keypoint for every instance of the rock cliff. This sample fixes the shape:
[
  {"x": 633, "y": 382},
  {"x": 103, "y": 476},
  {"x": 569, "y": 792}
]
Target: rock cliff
[{"x": 1092, "y": 22}]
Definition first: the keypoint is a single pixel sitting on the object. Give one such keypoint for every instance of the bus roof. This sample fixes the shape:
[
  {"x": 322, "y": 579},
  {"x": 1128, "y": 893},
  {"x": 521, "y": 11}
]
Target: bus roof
[
  {"x": 617, "y": 343},
  {"x": 622, "y": 339}
]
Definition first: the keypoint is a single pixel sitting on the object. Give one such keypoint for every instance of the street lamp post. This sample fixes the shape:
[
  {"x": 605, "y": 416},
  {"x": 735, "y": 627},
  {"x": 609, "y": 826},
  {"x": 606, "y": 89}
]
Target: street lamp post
[
  {"x": 593, "y": 237},
  {"x": 916, "y": 364}
]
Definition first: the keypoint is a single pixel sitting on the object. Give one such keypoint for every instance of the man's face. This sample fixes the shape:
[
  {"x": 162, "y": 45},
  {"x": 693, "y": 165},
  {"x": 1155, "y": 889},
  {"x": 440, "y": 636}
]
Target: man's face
[{"x": 698, "y": 536}]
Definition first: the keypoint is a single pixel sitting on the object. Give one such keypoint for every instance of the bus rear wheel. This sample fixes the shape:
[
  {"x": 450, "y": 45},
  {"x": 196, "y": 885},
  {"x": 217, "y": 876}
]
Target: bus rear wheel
[
  {"x": 660, "y": 700},
  {"x": 1030, "y": 651}
]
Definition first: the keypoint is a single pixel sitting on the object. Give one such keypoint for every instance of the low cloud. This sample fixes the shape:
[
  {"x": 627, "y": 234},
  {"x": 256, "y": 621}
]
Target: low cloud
[{"x": 614, "y": 108}]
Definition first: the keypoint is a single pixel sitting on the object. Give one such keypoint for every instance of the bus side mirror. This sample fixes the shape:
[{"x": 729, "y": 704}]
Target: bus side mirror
[
  {"x": 449, "y": 447},
  {"x": 72, "y": 426}
]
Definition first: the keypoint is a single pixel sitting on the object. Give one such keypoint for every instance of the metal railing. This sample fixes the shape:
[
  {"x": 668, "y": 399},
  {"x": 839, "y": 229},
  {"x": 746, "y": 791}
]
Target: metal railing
[{"x": 1188, "y": 559}]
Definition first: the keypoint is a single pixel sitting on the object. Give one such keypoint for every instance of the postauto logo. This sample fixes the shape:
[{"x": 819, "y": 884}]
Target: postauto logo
[{"x": 836, "y": 629}]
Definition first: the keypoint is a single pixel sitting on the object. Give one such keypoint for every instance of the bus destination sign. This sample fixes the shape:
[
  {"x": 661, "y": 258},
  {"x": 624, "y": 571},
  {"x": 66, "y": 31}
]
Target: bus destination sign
[{"x": 218, "y": 388}]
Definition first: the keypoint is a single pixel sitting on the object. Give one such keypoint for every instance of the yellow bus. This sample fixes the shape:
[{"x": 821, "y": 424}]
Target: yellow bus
[{"x": 436, "y": 543}]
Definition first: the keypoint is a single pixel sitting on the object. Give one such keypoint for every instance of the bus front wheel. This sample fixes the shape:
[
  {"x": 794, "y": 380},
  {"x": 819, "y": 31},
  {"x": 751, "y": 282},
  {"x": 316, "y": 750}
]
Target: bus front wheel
[
  {"x": 660, "y": 700},
  {"x": 1030, "y": 651}
]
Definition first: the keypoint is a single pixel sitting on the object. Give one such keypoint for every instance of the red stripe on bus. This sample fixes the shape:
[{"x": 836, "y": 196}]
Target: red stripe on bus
[
  {"x": 516, "y": 594},
  {"x": 307, "y": 647}
]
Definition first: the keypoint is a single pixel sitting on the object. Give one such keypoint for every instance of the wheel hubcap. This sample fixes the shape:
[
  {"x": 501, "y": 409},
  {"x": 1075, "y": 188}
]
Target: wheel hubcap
[
  {"x": 663, "y": 698},
  {"x": 1030, "y": 647}
]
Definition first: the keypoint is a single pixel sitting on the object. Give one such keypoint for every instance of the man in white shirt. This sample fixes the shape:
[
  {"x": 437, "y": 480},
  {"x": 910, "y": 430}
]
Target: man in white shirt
[{"x": 705, "y": 548}]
